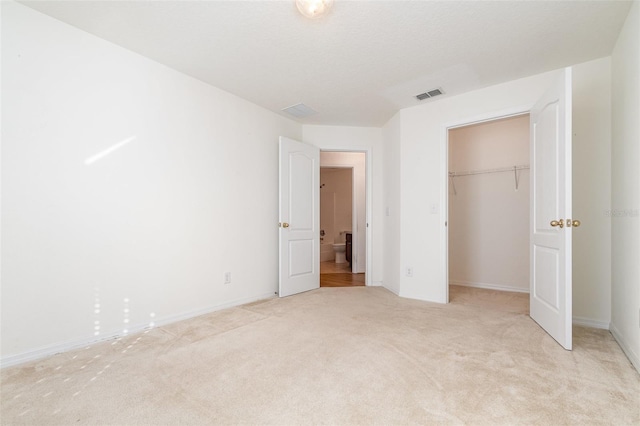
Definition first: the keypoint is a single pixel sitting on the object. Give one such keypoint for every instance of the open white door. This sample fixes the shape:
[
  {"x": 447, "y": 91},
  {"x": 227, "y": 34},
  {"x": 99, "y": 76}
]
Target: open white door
[
  {"x": 299, "y": 239},
  {"x": 551, "y": 223}
]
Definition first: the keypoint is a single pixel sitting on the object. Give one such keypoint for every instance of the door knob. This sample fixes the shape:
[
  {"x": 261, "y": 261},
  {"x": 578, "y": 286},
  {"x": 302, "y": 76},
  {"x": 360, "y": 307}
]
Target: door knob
[
  {"x": 559, "y": 223},
  {"x": 574, "y": 223},
  {"x": 285, "y": 225}
]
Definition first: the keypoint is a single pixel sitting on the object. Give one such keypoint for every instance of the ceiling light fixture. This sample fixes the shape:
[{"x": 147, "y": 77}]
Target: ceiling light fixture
[{"x": 314, "y": 9}]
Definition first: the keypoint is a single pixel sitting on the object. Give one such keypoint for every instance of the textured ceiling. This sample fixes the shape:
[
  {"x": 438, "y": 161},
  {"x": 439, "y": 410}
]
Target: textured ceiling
[{"x": 365, "y": 60}]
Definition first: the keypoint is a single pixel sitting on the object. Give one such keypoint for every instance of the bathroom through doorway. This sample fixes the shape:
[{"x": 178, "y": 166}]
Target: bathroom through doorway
[{"x": 342, "y": 219}]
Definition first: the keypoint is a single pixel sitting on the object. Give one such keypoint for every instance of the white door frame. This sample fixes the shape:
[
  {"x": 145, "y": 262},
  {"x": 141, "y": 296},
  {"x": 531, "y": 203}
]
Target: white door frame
[
  {"x": 368, "y": 181},
  {"x": 444, "y": 199}
]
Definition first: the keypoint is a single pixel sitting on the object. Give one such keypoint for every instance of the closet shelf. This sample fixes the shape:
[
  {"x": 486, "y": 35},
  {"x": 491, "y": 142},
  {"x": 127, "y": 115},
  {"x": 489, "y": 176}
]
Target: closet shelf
[
  {"x": 481, "y": 172},
  {"x": 513, "y": 169}
]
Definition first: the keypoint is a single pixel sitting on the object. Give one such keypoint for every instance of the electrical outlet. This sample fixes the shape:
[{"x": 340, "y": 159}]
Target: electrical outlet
[
  {"x": 227, "y": 277},
  {"x": 409, "y": 271}
]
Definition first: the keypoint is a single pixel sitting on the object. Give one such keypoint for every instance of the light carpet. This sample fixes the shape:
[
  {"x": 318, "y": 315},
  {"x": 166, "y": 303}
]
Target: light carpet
[{"x": 333, "y": 356}]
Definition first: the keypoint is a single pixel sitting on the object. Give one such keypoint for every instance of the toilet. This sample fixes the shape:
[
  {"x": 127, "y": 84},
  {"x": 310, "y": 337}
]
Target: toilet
[{"x": 340, "y": 250}]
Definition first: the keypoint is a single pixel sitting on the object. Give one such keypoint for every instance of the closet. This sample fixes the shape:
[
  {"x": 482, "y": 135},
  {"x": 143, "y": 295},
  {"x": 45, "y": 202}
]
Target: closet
[{"x": 488, "y": 221}]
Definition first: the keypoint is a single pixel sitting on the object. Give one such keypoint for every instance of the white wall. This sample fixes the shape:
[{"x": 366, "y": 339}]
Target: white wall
[
  {"x": 488, "y": 217},
  {"x": 625, "y": 158},
  {"x": 392, "y": 246},
  {"x": 591, "y": 175},
  {"x": 423, "y": 177},
  {"x": 363, "y": 139},
  {"x": 151, "y": 227}
]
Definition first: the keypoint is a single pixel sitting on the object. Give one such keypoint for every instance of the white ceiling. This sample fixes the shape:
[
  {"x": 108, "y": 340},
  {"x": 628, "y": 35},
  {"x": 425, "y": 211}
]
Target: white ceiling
[{"x": 365, "y": 60}]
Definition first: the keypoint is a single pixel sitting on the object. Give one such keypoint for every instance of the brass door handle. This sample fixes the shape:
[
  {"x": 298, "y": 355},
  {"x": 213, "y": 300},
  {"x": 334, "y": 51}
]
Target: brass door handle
[
  {"x": 560, "y": 223},
  {"x": 285, "y": 225}
]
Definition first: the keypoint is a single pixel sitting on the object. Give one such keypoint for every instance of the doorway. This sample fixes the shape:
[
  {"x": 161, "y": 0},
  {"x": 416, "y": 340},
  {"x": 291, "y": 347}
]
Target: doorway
[
  {"x": 551, "y": 223},
  {"x": 342, "y": 219},
  {"x": 488, "y": 214}
]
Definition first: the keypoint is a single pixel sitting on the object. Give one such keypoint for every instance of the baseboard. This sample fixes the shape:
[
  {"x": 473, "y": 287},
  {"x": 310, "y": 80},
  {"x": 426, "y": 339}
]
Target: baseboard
[
  {"x": 70, "y": 345},
  {"x": 397, "y": 293},
  {"x": 633, "y": 357},
  {"x": 588, "y": 322},
  {"x": 375, "y": 284},
  {"x": 498, "y": 287}
]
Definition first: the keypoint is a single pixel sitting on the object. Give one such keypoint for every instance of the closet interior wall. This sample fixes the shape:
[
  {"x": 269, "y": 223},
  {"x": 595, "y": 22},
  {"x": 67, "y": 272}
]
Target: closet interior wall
[{"x": 488, "y": 216}]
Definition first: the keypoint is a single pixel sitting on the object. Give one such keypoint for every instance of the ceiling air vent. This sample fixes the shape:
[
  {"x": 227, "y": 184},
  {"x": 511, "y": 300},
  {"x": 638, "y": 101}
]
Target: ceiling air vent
[
  {"x": 299, "y": 110},
  {"x": 429, "y": 94}
]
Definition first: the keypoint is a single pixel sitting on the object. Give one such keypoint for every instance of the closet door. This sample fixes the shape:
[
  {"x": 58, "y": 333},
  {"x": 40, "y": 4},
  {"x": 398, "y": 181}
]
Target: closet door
[{"x": 551, "y": 219}]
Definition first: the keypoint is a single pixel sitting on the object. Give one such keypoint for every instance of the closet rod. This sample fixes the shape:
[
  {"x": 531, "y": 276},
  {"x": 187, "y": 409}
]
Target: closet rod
[{"x": 480, "y": 172}]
